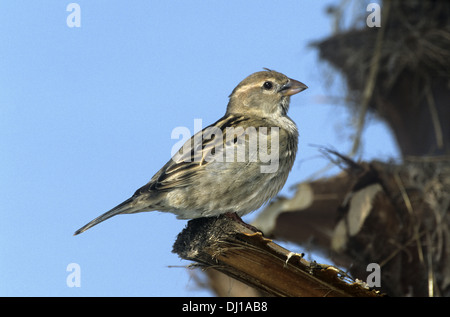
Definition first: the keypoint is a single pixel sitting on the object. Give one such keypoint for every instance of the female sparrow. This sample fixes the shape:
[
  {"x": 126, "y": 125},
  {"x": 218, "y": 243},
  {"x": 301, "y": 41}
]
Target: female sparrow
[{"x": 234, "y": 165}]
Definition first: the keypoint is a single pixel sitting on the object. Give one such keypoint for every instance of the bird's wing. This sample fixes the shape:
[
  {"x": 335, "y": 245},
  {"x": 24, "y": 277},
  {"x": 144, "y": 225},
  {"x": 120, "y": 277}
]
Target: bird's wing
[{"x": 199, "y": 151}]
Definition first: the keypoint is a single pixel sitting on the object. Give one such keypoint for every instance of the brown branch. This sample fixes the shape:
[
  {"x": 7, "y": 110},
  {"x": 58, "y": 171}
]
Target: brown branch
[{"x": 233, "y": 248}]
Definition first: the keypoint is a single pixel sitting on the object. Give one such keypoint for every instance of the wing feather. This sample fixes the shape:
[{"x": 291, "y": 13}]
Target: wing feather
[{"x": 196, "y": 153}]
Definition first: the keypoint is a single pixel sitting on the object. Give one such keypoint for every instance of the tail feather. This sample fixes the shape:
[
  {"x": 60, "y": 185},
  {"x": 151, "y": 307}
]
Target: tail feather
[{"x": 128, "y": 206}]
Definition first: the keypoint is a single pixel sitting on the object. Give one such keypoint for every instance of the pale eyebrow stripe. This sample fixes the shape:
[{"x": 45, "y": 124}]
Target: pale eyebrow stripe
[{"x": 247, "y": 87}]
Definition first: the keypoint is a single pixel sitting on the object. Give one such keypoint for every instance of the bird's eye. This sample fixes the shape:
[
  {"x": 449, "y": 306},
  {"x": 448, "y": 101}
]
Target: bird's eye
[{"x": 268, "y": 85}]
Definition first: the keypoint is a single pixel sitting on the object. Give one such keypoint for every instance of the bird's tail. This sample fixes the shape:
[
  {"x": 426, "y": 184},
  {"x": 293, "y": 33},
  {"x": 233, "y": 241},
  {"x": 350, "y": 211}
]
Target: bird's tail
[{"x": 128, "y": 206}]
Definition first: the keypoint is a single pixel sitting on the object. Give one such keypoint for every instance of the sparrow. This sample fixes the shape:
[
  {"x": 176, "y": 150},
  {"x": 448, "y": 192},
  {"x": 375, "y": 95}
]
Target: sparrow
[{"x": 233, "y": 166}]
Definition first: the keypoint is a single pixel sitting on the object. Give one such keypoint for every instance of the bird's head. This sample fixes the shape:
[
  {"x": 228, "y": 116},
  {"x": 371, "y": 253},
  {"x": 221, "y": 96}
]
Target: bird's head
[{"x": 263, "y": 94}]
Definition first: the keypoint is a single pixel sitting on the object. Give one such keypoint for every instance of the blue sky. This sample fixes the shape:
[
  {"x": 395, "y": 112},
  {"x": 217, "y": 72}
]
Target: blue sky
[{"x": 86, "y": 116}]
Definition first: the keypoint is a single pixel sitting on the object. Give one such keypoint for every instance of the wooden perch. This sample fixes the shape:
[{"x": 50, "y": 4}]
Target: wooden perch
[
  {"x": 235, "y": 249},
  {"x": 397, "y": 216}
]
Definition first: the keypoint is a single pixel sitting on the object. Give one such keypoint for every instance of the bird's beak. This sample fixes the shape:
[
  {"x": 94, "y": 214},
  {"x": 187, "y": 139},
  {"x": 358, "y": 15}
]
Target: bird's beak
[{"x": 292, "y": 87}]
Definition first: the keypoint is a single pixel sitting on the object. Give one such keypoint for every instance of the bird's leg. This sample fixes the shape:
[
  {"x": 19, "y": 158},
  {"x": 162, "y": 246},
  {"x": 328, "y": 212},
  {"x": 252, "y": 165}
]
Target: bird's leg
[{"x": 235, "y": 217}]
